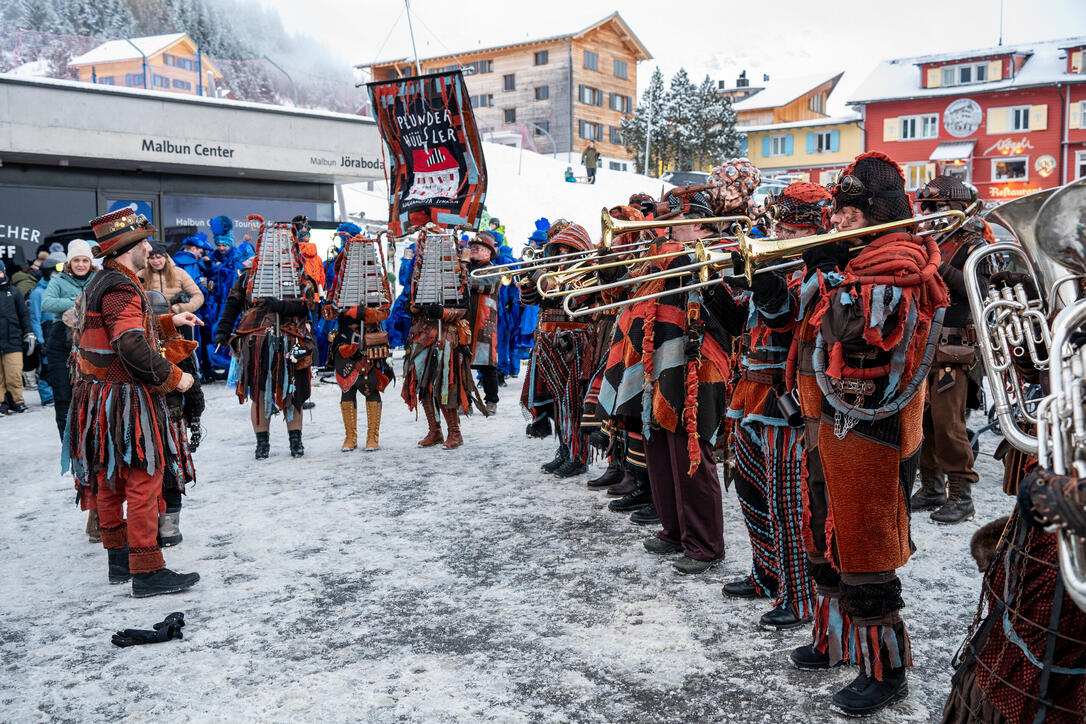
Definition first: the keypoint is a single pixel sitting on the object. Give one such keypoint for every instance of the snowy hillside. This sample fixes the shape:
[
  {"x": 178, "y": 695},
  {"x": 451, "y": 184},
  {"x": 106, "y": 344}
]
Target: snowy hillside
[{"x": 524, "y": 186}]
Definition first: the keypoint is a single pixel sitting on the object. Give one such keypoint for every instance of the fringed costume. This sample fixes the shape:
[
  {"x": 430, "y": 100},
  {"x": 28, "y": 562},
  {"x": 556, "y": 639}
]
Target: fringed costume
[{"x": 483, "y": 314}]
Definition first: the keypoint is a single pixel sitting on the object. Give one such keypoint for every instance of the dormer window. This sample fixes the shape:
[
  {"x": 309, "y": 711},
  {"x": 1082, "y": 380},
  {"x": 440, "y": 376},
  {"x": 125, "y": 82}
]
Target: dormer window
[{"x": 964, "y": 74}]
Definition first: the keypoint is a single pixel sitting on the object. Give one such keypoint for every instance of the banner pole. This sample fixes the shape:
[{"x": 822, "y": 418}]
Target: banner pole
[{"x": 411, "y": 29}]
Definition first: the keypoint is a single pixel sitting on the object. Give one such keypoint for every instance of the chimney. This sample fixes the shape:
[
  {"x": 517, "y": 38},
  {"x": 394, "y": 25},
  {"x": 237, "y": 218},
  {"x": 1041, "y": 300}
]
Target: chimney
[
  {"x": 741, "y": 81},
  {"x": 765, "y": 77}
]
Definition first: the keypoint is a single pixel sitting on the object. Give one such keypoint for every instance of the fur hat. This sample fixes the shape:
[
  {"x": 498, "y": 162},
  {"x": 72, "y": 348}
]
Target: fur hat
[
  {"x": 731, "y": 185},
  {"x": 79, "y": 247},
  {"x": 801, "y": 204},
  {"x": 120, "y": 230},
  {"x": 221, "y": 225},
  {"x": 540, "y": 233},
  {"x": 875, "y": 184}
]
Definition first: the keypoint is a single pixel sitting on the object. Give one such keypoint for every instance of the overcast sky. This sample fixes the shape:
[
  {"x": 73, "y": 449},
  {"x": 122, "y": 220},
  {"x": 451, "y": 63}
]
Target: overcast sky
[{"x": 783, "y": 38}]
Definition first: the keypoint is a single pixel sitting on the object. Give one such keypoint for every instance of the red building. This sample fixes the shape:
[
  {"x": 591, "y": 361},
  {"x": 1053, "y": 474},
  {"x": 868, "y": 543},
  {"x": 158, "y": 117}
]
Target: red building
[{"x": 1010, "y": 120}]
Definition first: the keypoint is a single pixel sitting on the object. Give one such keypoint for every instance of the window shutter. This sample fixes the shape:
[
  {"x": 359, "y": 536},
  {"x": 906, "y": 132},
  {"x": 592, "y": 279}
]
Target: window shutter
[
  {"x": 1076, "y": 61},
  {"x": 1038, "y": 117},
  {"x": 1075, "y": 120},
  {"x": 788, "y": 144},
  {"x": 891, "y": 129},
  {"x": 765, "y": 146},
  {"x": 995, "y": 70},
  {"x": 835, "y": 141},
  {"x": 810, "y": 143},
  {"x": 935, "y": 78},
  {"x": 997, "y": 121}
]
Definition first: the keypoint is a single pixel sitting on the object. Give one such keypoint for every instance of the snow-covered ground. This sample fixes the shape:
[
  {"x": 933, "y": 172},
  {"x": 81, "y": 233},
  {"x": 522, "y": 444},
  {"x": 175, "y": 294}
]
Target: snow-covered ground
[
  {"x": 415, "y": 585},
  {"x": 523, "y": 186}
]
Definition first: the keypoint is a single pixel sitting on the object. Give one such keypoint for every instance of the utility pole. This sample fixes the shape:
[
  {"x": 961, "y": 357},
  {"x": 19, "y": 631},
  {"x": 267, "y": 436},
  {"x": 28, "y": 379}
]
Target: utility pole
[
  {"x": 411, "y": 29},
  {"x": 293, "y": 88},
  {"x": 1001, "y": 23}
]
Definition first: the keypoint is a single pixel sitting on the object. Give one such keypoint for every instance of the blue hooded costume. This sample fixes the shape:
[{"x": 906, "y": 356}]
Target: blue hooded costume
[
  {"x": 399, "y": 321},
  {"x": 224, "y": 267},
  {"x": 521, "y": 341}
]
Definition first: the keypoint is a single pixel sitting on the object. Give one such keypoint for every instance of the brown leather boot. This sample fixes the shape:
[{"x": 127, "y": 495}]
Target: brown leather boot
[
  {"x": 452, "y": 419},
  {"x": 350, "y": 425},
  {"x": 373, "y": 425},
  {"x": 433, "y": 437},
  {"x": 94, "y": 533}
]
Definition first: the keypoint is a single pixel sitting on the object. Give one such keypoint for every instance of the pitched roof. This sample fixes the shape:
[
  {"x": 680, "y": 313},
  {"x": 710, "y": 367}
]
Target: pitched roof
[
  {"x": 900, "y": 78},
  {"x": 115, "y": 50},
  {"x": 835, "y": 120},
  {"x": 781, "y": 92},
  {"x": 642, "y": 52}
]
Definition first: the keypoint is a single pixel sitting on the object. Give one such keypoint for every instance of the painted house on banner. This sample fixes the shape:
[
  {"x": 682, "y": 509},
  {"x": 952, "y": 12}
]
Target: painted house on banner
[
  {"x": 171, "y": 63},
  {"x": 556, "y": 94},
  {"x": 1009, "y": 119}
]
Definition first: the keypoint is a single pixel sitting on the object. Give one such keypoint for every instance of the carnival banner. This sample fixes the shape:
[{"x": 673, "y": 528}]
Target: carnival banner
[{"x": 437, "y": 172}]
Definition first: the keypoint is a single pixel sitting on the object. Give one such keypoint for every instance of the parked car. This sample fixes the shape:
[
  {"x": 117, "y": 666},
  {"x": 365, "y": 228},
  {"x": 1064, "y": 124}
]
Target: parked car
[
  {"x": 684, "y": 178},
  {"x": 767, "y": 187}
]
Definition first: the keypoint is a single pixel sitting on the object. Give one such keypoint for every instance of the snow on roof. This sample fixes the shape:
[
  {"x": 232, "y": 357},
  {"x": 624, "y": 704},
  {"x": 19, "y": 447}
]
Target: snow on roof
[
  {"x": 781, "y": 92},
  {"x": 848, "y": 118},
  {"x": 900, "y": 78},
  {"x": 115, "y": 50}
]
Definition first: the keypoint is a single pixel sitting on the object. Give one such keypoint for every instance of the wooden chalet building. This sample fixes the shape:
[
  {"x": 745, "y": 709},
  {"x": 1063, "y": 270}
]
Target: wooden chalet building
[{"x": 170, "y": 62}]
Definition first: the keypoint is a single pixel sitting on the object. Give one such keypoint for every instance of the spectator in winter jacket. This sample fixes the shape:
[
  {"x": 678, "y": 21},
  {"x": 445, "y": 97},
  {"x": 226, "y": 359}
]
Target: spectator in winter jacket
[
  {"x": 570, "y": 178},
  {"x": 14, "y": 333},
  {"x": 26, "y": 279},
  {"x": 41, "y": 323},
  {"x": 59, "y": 297},
  {"x": 163, "y": 276},
  {"x": 591, "y": 159}
]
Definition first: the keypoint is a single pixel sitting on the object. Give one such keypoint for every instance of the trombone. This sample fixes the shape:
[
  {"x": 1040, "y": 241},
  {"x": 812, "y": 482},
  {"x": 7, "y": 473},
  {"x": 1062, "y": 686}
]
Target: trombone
[{"x": 612, "y": 226}]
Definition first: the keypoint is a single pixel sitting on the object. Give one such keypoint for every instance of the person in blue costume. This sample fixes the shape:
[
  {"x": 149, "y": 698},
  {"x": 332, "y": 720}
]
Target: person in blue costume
[
  {"x": 192, "y": 258},
  {"x": 224, "y": 267},
  {"x": 399, "y": 322},
  {"x": 521, "y": 341},
  {"x": 509, "y": 313}
]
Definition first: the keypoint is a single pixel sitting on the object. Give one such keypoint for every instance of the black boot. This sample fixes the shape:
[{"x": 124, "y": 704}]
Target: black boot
[
  {"x": 570, "y": 469},
  {"x": 781, "y": 618},
  {"x": 740, "y": 588},
  {"x": 645, "y": 516},
  {"x": 809, "y": 658},
  {"x": 931, "y": 493},
  {"x": 118, "y": 565},
  {"x": 162, "y": 581},
  {"x": 639, "y": 498},
  {"x": 611, "y": 476},
  {"x": 560, "y": 456},
  {"x": 867, "y": 695},
  {"x": 297, "y": 450},
  {"x": 263, "y": 447},
  {"x": 959, "y": 504},
  {"x": 624, "y": 488}
]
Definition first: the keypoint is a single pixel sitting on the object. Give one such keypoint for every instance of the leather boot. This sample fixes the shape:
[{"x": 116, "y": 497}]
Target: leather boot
[
  {"x": 866, "y": 695},
  {"x": 118, "y": 565},
  {"x": 156, "y": 583},
  {"x": 373, "y": 425},
  {"x": 931, "y": 493},
  {"x": 561, "y": 457},
  {"x": 94, "y": 534},
  {"x": 452, "y": 421},
  {"x": 625, "y": 487},
  {"x": 611, "y": 476},
  {"x": 350, "y": 425},
  {"x": 263, "y": 446},
  {"x": 297, "y": 450},
  {"x": 959, "y": 504},
  {"x": 434, "y": 436}
]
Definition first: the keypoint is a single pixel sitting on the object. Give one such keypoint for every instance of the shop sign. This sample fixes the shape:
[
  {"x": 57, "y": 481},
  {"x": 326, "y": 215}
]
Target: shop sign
[
  {"x": 962, "y": 117},
  {"x": 1045, "y": 165},
  {"x": 1008, "y": 146},
  {"x": 1011, "y": 192}
]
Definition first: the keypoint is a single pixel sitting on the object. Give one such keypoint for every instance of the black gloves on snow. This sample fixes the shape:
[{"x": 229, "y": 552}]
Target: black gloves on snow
[{"x": 168, "y": 628}]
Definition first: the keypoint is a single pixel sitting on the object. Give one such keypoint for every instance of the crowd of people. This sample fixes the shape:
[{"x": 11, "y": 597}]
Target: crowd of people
[{"x": 822, "y": 389}]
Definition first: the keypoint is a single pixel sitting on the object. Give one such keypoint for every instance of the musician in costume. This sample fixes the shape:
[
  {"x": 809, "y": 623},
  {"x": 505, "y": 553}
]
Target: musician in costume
[
  {"x": 946, "y": 457},
  {"x": 360, "y": 352},
  {"x": 878, "y": 318},
  {"x": 1023, "y": 660},
  {"x": 273, "y": 344},
  {"x": 118, "y": 442},
  {"x": 436, "y": 367},
  {"x": 561, "y": 364},
  {"x": 769, "y": 451},
  {"x": 483, "y": 315},
  {"x": 668, "y": 372}
]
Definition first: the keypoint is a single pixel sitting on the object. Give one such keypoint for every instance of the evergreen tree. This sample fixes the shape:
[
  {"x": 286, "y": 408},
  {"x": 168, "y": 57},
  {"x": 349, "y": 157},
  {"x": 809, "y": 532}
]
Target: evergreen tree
[
  {"x": 679, "y": 109},
  {"x": 713, "y": 124},
  {"x": 41, "y": 15},
  {"x": 649, "y": 113}
]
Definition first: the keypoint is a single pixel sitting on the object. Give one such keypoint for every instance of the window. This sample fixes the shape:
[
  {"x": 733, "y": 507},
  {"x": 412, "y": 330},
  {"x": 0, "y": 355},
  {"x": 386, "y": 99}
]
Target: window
[
  {"x": 133, "y": 80},
  {"x": 617, "y": 165},
  {"x": 823, "y": 141},
  {"x": 542, "y": 127},
  {"x": 1010, "y": 169},
  {"x": 917, "y": 174},
  {"x": 589, "y": 131},
  {"x": 479, "y": 66},
  {"x": 964, "y": 74},
  {"x": 542, "y": 93},
  {"x": 482, "y": 101},
  {"x": 777, "y": 145},
  {"x": 817, "y": 103},
  {"x": 620, "y": 103},
  {"x": 541, "y": 57},
  {"x": 510, "y": 115},
  {"x": 590, "y": 96},
  {"x": 1080, "y": 164},
  {"x": 182, "y": 84},
  {"x": 914, "y": 127},
  {"x": 591, "y": 60},
  {"x": 176, "y": 62},
  {"x": 105, "y": 80},
  {"x": 615, "y": 135},
  {"x": 1018, "y": 118},
  {"x": 620, "y": 69},
  {"x": 509, "y": 82}
]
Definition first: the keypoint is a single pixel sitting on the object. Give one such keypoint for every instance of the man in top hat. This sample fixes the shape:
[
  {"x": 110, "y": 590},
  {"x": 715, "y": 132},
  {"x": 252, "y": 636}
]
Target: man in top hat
[{"x": 118, "y": 441}]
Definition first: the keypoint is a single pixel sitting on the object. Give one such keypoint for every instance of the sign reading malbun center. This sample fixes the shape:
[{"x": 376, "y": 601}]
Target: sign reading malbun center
[{"x": 962, "y": 118}]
